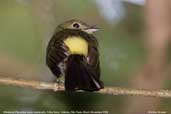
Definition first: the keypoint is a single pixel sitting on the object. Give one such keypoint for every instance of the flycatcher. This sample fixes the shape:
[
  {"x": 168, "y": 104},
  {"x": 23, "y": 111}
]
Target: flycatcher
[{"x": 73, "y": 53}]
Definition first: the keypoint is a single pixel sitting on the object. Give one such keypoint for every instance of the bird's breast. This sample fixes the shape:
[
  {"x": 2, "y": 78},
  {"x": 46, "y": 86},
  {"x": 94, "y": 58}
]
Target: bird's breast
[{"x": 77, "y": 45}]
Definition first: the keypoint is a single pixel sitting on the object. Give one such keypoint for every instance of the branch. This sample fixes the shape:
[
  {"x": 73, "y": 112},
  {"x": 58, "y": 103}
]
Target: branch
[{"x": 107, "y": 90}]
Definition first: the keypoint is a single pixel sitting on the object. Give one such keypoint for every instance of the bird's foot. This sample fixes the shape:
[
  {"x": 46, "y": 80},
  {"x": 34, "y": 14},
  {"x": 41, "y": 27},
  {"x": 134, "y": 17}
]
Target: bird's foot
[
  {"x": 60, "y": 81},
  {"x": 59, "y": 84}
]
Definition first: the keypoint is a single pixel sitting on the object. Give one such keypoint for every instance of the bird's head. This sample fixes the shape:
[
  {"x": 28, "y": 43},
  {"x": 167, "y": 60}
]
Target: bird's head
[{"x": 78, "y": 25}]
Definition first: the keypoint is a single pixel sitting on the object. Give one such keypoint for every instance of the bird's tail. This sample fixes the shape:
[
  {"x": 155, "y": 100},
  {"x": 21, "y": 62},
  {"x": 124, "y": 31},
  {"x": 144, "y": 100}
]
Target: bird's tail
[{"x": 80, "y": 75}]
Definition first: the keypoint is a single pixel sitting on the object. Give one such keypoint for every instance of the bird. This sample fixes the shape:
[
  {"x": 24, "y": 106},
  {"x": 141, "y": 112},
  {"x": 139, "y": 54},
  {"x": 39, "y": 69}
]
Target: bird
[{"x": 72, "y": 53}]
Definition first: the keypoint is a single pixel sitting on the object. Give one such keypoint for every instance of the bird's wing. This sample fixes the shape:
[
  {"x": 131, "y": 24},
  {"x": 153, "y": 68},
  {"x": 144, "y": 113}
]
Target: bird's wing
[
  {"x": 93, "y": 60},
  {"x": 55, "y": 55}
]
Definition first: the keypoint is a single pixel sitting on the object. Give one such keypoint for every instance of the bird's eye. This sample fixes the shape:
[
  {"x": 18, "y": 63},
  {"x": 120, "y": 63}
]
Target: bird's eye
[{"x": 76, "y": 25}]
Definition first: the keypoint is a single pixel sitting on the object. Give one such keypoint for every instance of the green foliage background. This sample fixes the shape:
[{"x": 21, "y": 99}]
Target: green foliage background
[{"x": 121, "y": 53}]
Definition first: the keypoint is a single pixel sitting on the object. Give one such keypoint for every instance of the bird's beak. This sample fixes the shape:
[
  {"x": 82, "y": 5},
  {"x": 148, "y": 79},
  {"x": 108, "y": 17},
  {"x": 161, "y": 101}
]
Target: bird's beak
[{"x": 91, "y": 30}]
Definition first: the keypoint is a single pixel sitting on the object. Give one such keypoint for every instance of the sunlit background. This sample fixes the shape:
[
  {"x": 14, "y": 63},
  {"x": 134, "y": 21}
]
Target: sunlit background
[{"x": 25, "y": 29}]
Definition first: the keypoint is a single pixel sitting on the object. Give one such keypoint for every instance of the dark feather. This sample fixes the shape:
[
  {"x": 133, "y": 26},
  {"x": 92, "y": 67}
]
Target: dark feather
[{"x": 80, "y": 75}]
